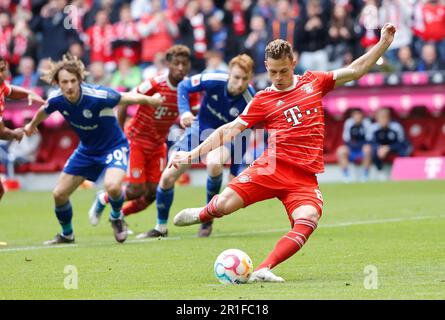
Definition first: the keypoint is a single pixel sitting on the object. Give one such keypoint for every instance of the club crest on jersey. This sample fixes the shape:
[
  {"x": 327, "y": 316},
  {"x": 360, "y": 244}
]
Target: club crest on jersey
[
  {"x": 307, "y": 88},
  {"x": 196, "y": 80},
  {"x": 244, "y": 178},
  {"x": 280, "y": 103},
  {"x": 87, "y": 114},
  {"x": 234, "y": 112},
  {"x": 136, "y": 173}
]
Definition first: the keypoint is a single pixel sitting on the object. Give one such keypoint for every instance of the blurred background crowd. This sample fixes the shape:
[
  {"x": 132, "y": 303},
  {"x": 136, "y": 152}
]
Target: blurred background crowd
[{"x": 122, "y": 41}]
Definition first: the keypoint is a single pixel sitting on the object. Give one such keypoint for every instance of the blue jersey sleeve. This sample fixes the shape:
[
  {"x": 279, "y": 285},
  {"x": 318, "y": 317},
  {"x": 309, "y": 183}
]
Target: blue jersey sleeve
[
  {"x": 197, "y": 83},
  {"x": 50, "y": 106},
  {"x": 113, "y": 98}
]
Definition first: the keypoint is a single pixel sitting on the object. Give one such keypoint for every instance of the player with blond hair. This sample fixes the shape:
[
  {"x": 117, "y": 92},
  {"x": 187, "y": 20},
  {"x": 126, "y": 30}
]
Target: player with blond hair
[{"x": 103, "y": 147}]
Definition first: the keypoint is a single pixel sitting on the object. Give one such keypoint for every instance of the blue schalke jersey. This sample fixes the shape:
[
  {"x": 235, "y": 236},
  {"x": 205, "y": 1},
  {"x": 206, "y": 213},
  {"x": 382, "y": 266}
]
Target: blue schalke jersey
[
  {"x": 92, "y": 117},
  {"x": 217, "y": 106}
]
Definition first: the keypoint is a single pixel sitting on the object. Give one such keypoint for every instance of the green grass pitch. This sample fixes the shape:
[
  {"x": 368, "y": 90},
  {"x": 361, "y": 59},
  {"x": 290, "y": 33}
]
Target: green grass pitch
[{"x": 398, "y": 228}]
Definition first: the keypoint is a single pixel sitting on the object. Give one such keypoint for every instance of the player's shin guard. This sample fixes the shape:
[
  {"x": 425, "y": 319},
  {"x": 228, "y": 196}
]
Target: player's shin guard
[
  {"x": 116, "y": 206},
  {"x": 213, "y": 186},
  {"x": 290, "y": 243},
  {"x": 135, "y": 206},
  {"x": 64, "y": 214},
  {"x": 211, "y": 211},
  {"x": 164, "y": 199}
]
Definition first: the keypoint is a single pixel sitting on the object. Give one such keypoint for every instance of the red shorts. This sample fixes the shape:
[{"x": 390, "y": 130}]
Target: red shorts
[
  {"x": 146, "y": 166},
  {"x": 293, "y": 186}
]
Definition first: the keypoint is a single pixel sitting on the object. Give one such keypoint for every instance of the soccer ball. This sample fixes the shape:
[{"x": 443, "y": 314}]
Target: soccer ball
[{"x": 233, "y": 266}]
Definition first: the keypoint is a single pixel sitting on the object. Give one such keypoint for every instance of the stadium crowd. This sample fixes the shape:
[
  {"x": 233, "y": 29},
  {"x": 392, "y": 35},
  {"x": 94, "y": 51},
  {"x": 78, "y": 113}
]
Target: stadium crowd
[{"x": 122, "y": 41}]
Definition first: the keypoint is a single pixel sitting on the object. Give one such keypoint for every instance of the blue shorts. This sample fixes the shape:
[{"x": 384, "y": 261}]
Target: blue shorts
[
  {"x": 193, "y": 137},
  {"x": 355, "y": 154},
  {"x": 91, "y": 167}
]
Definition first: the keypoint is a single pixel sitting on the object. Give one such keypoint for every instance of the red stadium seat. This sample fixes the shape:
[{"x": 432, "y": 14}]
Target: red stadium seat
[
  {"x": 57, "y": 145},
  {"x": 438, "y": 139},
  {"x": 419, "y": 132},
  {"x": 332, "y": 139}
]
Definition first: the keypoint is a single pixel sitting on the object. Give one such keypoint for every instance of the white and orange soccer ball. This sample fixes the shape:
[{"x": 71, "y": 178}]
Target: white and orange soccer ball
[{"x": 233, "y": 266}]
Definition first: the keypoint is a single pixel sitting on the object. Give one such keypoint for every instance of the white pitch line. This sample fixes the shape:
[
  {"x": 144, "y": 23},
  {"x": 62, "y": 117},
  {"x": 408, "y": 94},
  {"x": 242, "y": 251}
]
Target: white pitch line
[{"x": 135, "y": 241}]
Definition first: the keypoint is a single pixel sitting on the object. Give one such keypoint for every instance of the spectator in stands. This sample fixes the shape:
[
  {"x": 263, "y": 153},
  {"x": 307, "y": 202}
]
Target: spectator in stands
[
  {"x": 6, "y": 29},
  {"x": 27, "y": 77},
  {"x": 387, "y": 138},
  {"x": 98, "y": 74},
  {"x": 311, "y": 38},
  {"x": 126, "y": 76},
  {"x": 368, "y": 25},
  {"x": 220, "y": 37},
  {"x": 340, "y": 36},
  {"x": 264, "y": 8},
  {"x": 283, "y": 24},
  {"x": 76, "y": 50},
  {"x": 255, "y": 44},
  {"x": 429, "y": 60},
  {"x": 406, "y": 62},
  {"x": 22, "y": 42},
  {"x": 399, "y": 13},
  {"x": 44, "y": 64},
  {"x": 98, "y": 40},
  {"x": 158, "y": 67},
  {"x": 55, "y": 38},
  {"x": 215, "y": 62},
  {"x": 356, "y": 148},
  {"x": 429, "y": 25},
  {"x": 126, "y": 40},
  {"x": 192, "y": 33},
  {"x": 157, "y": 30}
]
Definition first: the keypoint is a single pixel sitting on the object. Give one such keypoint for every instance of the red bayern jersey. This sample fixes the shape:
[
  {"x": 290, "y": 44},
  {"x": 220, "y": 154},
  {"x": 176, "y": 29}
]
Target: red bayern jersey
[
  {"x": 150, "y": 125},
  {"x": 5, "y": 90},
  {"x": 294, "y": 119}
]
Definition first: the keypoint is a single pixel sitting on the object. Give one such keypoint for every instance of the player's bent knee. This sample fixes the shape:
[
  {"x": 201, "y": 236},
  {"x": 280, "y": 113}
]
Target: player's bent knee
[
  {"x": 114, "y": 189},
  {"x": 214, "y": 169},
  {"x": 307, "y": 212},
  {"x": 60, "y": 197}
]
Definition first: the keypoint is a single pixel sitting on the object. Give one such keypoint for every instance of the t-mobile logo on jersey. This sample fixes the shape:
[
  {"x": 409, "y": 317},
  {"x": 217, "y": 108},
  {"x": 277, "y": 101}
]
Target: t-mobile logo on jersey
[
  {"x": 160, "y": 112},
  {"x": 293, "y": 115}
]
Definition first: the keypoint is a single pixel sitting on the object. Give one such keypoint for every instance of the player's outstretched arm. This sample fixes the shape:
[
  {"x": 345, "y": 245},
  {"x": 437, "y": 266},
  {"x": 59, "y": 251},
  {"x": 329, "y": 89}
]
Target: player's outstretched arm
[
  {"x": 363, "y": 64},
  {"x": 39, "y": 117},
  {"x": 8, "y": 134},
  {"x": 18, "y": 93},
  {"x": 219, "y": 137},
  {"x": 128, "y": 98}
]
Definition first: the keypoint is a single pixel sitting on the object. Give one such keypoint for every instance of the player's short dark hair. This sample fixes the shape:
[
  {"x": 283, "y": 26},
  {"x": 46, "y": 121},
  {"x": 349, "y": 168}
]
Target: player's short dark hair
[
  {"x": 279, "y": 49},
  {"x": 69, "y": 63},
  {"x": 177, "y": 50},
  {"x": 2, "y": 59}
]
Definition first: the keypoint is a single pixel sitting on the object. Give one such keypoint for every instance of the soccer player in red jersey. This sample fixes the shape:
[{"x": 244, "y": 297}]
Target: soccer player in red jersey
[
  {"x": 292, "y": 112},
  {"x": 147, "y": 132},
  {"x": 12, "y": 92}
]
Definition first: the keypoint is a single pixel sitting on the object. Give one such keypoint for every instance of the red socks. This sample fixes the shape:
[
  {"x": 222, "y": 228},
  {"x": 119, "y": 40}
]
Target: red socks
[
  {"x": 290, "y": 243},
  {"x": 210, "y": 211},
  {"x": 135, "y": 206}
]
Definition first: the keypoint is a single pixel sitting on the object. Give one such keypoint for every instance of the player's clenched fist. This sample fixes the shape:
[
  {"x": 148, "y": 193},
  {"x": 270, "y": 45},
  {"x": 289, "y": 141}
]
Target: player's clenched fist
[{"x": 388, "y": 32}]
